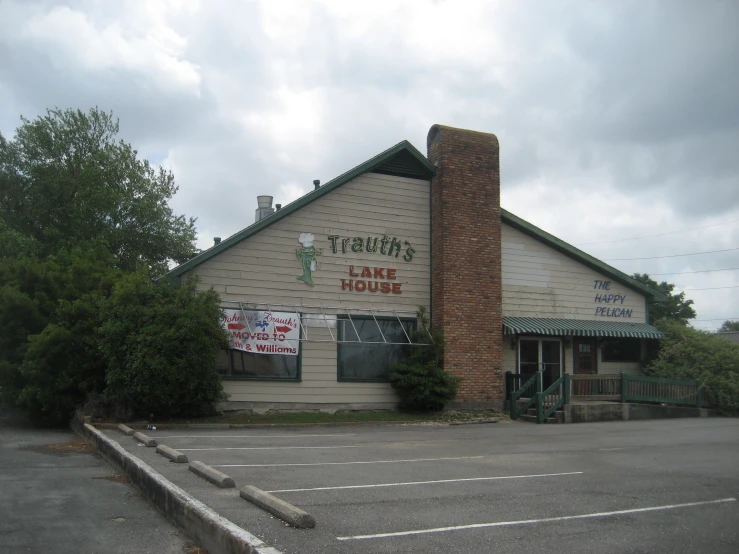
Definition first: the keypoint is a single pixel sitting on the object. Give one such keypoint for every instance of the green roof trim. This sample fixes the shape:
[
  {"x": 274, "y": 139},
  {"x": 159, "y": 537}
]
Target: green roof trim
[
  {"x": 578, "y": 328},
  {"x": 578, "y": 255},
  {"x": 403, "y": 160}
]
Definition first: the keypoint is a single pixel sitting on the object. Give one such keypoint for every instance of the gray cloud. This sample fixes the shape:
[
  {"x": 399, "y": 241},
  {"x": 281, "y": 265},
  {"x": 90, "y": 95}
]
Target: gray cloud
[{"x": 615, "y": 118}]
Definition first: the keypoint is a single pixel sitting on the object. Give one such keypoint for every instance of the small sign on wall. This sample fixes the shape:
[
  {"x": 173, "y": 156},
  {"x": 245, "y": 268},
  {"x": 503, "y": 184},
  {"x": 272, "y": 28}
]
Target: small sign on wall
[{"x": 263, "y": 332}]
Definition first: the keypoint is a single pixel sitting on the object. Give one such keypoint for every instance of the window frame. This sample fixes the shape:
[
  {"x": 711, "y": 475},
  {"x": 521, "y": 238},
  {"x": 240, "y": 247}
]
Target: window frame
[
  {"x": 297, "y": 379},
  {"x": 340, "y": 334}
]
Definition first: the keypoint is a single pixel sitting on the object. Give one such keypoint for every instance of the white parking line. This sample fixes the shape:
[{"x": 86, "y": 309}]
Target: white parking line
[
  {"x": 246, "y": 436},
  {"x": 275, "y": 447},
  {"x": 529, "y": 521},
  {"x": 351, "y": 463},
  {"x": 430, "y": 482}
]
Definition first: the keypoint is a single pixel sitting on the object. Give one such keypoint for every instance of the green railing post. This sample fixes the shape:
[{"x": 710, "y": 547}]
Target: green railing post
[
  {"x": 624, "y": 385},
  {"x": 699, "y": 397},
  {"x": 512, "y": 406},
  {"x": 538, "y": 382},
  {"x": 566, "y": 385},
  {"x": 539, "y": 407}
]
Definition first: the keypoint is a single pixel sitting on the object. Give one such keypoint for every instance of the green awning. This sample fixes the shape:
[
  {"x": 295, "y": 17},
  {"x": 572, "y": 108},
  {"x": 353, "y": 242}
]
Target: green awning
[{"x": 578, "y": 328}]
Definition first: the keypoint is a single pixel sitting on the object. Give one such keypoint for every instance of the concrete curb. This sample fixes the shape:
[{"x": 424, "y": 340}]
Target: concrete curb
[
  {"x": 212, "y": 475},
  {"x": 222, "y": 426},
  {"x": 145, "y": 439},
  {"x": 215, "y": 533},
  {"x": 175, "y": 455},
  {"x": 125, "y": 429},
  {"x": 285, "y": 511}
]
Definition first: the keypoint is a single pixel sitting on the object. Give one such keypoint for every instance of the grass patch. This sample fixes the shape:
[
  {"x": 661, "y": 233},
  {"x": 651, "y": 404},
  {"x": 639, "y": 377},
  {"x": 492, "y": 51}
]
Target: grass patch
[{"x": 287, "y": 418}]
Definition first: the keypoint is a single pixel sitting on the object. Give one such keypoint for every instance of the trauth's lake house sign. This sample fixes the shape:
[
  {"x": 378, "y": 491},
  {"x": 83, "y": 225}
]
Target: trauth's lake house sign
[{"x": 372, "y": 279}]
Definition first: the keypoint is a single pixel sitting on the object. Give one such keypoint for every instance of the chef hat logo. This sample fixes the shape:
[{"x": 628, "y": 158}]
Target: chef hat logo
[{"x": 306, "y": 239}]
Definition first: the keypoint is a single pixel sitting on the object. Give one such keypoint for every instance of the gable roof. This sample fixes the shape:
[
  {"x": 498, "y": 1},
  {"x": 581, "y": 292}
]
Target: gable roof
[
  {"x": 403, "y": 160},
  {"x": 578, "y": 255}
]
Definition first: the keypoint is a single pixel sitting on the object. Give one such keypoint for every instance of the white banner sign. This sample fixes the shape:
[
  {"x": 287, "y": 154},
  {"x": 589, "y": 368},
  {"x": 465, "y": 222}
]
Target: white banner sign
[{"x": 263, "y": 332}]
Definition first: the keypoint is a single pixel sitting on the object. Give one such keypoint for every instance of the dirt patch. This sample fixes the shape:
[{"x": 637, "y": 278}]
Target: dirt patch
[
  {"x": 194, "y": 549},
  {"x": 75, "y": 446},
  {"x": 116, "y": 478}
]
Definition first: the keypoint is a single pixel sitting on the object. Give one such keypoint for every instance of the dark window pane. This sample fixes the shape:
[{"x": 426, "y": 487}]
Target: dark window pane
[
  {"x": 621, "y": 350},
  {"x": 362, "y": 361},
  {"x": 529, "y": 357},
  {"x": 223, "y": 365},
  {"x": 586, "y": 357},
  {"x": 264, "y": 366}
]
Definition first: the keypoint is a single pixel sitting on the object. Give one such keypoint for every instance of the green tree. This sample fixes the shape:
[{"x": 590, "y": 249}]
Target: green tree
[
  {"x": 14, "y": 244},
  {"x": 729, "y": 326},
  {"x": 161, "y": 344},
  {"x": 49, "y": 316},
  {"x": 676, "y": 308},
  {"x": 65, "y": 180},
  {"x": 688, "y": 353}
]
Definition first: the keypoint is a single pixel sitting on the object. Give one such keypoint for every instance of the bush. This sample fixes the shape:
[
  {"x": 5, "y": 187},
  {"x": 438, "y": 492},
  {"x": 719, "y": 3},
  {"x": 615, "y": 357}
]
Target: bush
[
  {"x": 49, "y": 316},
  {"x": 161, "y": 344},
  {"x": 421, "y": 381},
  {"x": 687, "y": 353}
]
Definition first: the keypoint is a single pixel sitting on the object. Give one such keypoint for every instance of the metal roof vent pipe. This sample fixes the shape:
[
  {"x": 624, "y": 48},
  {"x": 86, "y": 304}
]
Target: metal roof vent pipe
[
  {"x": 264, "y": 208},
  {"x": 278, "y": 207},
  {"x": 317, "y": 184},
  {"x": 216, "y": 240}
]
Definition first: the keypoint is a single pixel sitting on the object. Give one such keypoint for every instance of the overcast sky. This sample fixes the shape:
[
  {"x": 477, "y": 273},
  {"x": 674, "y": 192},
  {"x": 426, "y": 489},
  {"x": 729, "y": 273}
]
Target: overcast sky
[{"x": 616, "y": 119}]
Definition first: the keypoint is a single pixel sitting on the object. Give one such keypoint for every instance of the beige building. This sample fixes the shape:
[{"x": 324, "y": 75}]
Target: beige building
[{"x": 344, "y": 269}]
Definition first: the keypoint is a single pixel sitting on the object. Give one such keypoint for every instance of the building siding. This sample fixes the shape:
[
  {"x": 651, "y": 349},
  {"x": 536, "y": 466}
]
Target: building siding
[
  {"x": 264, "y": 269},
  {"x": 539, "y": 281}
]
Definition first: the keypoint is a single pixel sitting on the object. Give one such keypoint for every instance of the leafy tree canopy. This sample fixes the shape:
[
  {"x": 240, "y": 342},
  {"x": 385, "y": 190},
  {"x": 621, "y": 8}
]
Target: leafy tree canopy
[
  {"x": 729, "y": 326},
  {"x": 677, "y": 308},
  {"x": 688, "y": 353},
  {"x": 66, "y": 180},
  {"x": 49, "y": 317}
]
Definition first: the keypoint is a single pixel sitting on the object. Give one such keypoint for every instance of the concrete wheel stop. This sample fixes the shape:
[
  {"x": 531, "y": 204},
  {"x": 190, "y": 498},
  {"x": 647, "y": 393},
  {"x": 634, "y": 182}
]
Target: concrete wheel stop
[
  {"x": 212, "y": 475},
  {"x": 279, "y": 508}
]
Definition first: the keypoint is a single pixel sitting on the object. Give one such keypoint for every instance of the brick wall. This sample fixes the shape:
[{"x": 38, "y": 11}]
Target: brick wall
[{"x": 466, "y": 259}]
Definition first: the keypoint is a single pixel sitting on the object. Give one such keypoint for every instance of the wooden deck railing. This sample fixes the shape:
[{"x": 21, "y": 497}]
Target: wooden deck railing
[
  {"x": 595, "y": 387},
  {"x": 658, "y": 389},
  {"x": 553, "y": 398},
  {"x": 514, "y": 381},
  {"x": 574, "y": 388},
  {"x": 527, "y": 390}
]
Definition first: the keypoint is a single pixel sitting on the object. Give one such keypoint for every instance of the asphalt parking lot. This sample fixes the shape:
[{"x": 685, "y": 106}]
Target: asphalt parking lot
[
  {"x": 650, "y": 486},
  {"x": 58, "y": 496}
]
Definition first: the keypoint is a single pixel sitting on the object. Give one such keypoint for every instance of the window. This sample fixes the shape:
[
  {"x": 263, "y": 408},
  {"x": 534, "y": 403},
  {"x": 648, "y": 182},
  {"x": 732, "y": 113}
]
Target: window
[
  {"x": 620, "y": 350},
  {"x": 236, "y": 364},
  {"x": 371, "y": 362}
]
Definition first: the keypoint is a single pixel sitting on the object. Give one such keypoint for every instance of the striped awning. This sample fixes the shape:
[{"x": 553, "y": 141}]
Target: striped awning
[{"x": 578, "y": 328}]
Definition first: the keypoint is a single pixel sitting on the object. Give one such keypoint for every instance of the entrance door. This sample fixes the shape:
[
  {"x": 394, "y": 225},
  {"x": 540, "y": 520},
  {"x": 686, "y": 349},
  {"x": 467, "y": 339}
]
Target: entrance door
[
  {"x": 540, "y": 354},
  {"x": 585, "y": 358}
]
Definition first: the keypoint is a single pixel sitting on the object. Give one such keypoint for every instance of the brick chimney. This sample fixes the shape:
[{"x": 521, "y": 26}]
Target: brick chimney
[{"x": 466, "y": 260}]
